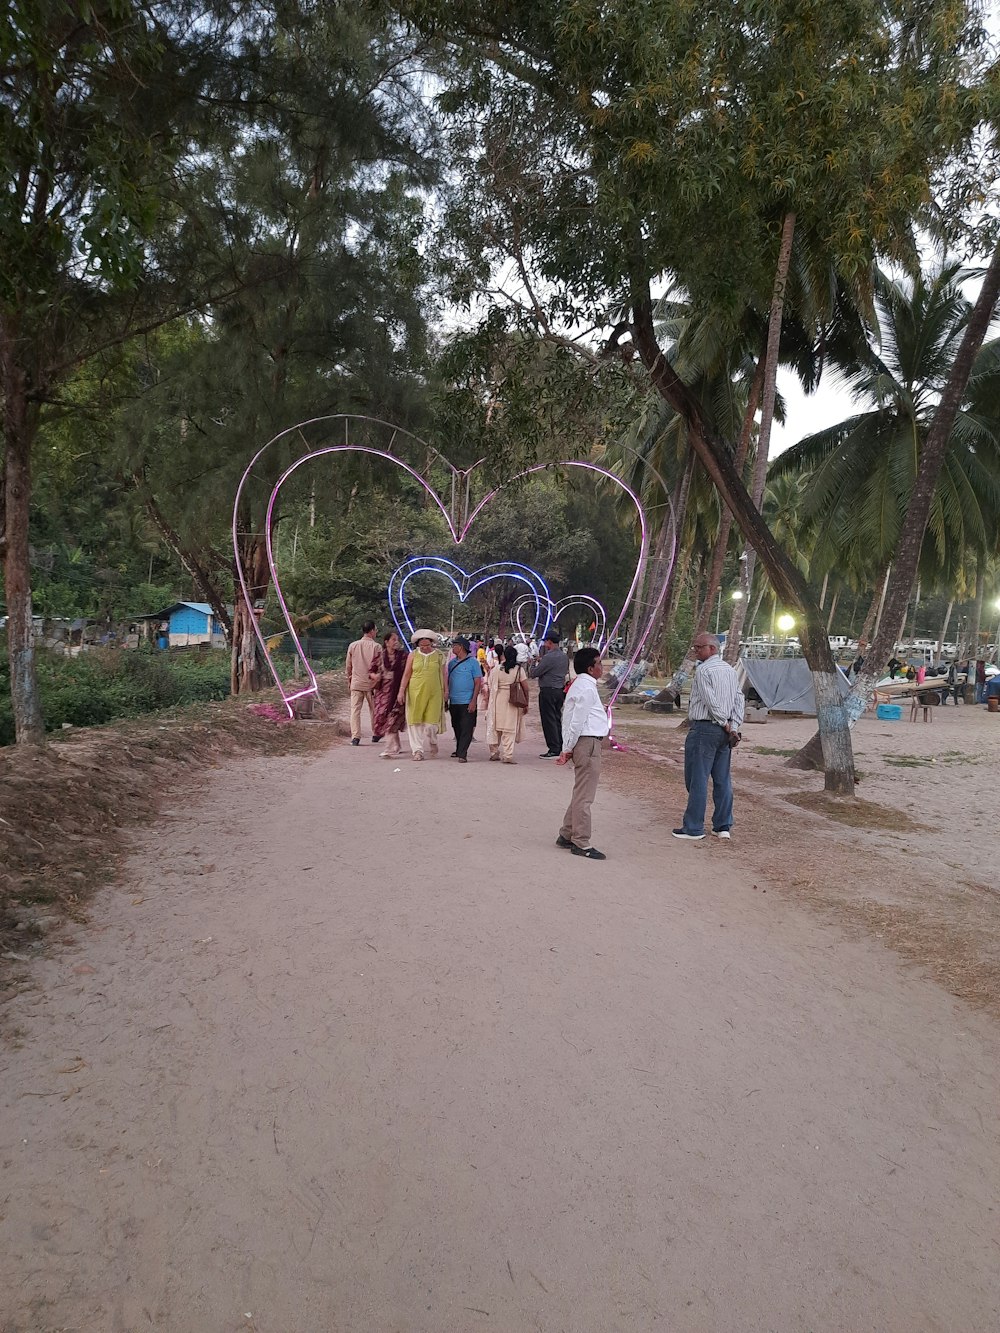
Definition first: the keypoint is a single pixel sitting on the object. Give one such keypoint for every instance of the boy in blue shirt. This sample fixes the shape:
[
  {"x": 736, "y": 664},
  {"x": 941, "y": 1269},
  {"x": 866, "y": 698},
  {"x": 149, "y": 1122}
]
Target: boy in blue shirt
[{"x": 465, "y": 680}]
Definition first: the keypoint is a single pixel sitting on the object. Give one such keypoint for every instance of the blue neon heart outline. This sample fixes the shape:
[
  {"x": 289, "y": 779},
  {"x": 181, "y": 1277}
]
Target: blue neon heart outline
[{"x": 439, "y": 564}]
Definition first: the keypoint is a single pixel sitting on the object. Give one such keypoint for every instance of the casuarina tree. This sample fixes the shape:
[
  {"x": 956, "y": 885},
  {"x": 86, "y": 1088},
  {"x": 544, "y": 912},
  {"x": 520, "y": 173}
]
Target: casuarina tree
[{"x": 625, "y": 146}]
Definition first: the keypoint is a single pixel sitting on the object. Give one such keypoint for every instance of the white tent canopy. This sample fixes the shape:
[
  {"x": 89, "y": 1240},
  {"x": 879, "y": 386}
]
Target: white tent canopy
[{"x": 785, "y": 683}]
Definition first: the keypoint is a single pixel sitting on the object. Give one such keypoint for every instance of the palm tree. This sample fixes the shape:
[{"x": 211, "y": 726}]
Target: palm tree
[{"x": 858, "y": 475}]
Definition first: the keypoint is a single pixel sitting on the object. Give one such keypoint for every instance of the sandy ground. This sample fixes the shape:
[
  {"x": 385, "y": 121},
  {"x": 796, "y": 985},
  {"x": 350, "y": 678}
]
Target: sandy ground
[{"x": 355, "y": 1047}]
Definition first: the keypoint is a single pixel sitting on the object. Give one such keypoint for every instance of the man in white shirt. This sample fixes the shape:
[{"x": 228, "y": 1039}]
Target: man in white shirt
[
  {"x": 584, "y": 726},
  {"x": 715, "y": 715}
]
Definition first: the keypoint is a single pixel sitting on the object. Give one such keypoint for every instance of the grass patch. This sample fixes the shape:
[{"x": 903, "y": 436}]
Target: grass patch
[
  {"x": 770, "y": 749},
  {"x": 929, "y": 761},
  {"x": 958, "y": 757},
  {"x": 856, "y": 813}
]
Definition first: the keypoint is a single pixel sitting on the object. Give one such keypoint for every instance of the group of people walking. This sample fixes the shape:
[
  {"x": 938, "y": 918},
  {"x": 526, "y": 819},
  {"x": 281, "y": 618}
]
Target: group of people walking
[{"x": 414, "y": 691}]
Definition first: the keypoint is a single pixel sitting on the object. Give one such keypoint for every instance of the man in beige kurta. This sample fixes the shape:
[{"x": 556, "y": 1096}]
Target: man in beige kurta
[{"x": 360, "y": 658}]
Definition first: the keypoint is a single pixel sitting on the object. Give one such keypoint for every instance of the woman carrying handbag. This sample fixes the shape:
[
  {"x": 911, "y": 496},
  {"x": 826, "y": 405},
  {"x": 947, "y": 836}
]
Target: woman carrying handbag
[{"x": 508, "y": 688}]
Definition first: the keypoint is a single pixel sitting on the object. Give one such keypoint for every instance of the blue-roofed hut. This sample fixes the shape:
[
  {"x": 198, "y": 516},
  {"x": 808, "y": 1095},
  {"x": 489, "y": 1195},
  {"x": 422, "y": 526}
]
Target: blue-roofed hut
[{"x": 187, "y": 623}]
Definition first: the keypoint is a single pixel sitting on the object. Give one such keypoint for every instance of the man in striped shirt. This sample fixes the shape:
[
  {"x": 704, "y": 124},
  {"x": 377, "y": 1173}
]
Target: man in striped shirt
[{"x": 715, "y": 715}]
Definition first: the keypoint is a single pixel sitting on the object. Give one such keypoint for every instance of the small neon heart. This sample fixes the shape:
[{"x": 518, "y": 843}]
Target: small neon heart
[
  {"x": 556, "y": 609},
  {"x": 464, "y": 584}
]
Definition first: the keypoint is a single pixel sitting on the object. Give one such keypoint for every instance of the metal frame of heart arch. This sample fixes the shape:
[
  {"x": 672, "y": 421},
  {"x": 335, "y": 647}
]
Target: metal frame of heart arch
[
  {"x": 468, "y": 491},
  {"x": 465, "y": 584},
  {"x": 556, "y": 610}
]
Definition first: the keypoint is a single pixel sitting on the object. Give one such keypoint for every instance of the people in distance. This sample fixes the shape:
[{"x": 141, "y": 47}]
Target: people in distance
[
  {"x": 361, "y": 656},
  {"x": 550, "y": 672},
  {"x": 464, "y": 683}
]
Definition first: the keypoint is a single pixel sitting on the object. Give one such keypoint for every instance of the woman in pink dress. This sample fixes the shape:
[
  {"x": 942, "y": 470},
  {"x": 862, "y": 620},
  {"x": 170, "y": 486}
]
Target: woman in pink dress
[{"x": 386, "y": 674}]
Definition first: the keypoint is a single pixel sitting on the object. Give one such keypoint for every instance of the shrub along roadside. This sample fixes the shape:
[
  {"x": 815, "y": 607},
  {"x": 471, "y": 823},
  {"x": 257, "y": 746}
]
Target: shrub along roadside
[{"x": 110, "y": 683}]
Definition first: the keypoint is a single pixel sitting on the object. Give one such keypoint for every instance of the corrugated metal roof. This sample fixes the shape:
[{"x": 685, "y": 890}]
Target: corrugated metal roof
[{"x": 203, "y": 607}]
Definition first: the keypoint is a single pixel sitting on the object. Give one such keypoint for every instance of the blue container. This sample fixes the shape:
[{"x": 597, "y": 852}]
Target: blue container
[{"x": 889, "y": 712}]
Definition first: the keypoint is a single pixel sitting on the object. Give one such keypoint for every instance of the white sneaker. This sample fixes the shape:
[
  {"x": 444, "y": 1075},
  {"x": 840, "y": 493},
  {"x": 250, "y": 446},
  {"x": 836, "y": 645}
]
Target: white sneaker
[{"x": 722, "y": 833}]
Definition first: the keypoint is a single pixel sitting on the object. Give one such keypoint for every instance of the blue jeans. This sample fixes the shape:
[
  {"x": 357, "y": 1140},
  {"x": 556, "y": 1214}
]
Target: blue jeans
[{"x": 706, "y": 751}]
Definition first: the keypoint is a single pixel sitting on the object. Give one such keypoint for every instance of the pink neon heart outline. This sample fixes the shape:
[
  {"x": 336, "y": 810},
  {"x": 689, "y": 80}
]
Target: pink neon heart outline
[{"x": 457, "y": 535}]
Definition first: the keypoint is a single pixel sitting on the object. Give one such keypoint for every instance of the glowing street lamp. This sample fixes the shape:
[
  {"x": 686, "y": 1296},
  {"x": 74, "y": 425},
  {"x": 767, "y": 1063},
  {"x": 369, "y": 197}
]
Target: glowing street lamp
[
  {"x": 786, "y": 623},
  {"x": 736, "y": 596}
]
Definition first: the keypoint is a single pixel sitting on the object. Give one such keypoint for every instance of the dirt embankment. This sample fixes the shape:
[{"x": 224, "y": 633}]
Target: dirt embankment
[{"x": 66, "y": 808}]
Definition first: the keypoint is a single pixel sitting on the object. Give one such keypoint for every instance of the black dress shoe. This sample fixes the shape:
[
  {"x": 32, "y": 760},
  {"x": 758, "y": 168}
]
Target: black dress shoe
[
  {"x": 563, "y": 842},
  {"x": 355, "y": 741},
  {"x": 376, "y": 739},
  {"x": 591, "y": 853},
  {"x": 549, "y": 754}
]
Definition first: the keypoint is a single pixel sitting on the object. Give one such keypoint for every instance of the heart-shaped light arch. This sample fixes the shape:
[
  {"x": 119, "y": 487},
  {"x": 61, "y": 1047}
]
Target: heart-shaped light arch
[
  {"x": 438, "y": 564},
  {"x": 556, "y": 609},
  {"x": 459, "y": 520}
]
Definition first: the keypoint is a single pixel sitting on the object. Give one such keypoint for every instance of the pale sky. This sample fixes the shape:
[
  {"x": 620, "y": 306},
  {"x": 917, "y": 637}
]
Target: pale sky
[{"x": 807, "y": 414}]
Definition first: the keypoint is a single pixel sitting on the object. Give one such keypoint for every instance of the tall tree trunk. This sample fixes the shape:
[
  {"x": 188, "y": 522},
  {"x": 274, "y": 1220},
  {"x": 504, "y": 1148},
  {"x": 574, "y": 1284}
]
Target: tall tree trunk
[
  {"x": 833, "y": 611},
  {"x": 868, "y": 628},
  {"x": 944, "y": 629},
  {"x": 20, "y": 423},
  {"x": 247, "y": 666},
  {"x": 658, "y": 557},
  {"x": 913, "y": 618},
  {"x": 715, "y": 569},
  {"x": 977, "y": 606},
  {"x": 822, "y": 592},
  {"x": 678, "y": 579},
  {"x": 751, "y": 619},
  {"x": 747, "y": 564},
  {"x": 907, "y": 553},
  {"x": 190, "y": 561},
  {"x": 721, "y": 547},
  {"x": 786, "y": 580}
]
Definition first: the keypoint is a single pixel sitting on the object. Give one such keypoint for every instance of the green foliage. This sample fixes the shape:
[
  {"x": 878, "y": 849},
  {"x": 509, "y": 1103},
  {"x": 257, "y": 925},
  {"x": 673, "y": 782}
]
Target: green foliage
[
  {"x": 854, "y": 479},
  {"x": 566, "y": 526},
  {"x": 605, "y": 146},
  {"x": 110, "y": 683}
]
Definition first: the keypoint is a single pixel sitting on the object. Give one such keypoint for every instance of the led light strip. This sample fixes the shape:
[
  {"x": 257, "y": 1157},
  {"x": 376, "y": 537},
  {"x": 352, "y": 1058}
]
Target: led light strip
[
  {"x": 459, "y": 478},
  {"x": 437, "y": 564},
  {"x": 556, "y": 609}
]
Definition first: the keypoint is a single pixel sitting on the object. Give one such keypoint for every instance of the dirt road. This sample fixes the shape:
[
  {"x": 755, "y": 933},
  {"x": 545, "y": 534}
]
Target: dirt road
[{"x": 378, "y": 1056}]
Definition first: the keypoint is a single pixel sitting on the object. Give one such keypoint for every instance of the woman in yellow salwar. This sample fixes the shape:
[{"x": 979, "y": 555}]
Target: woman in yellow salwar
[{"x": 424, "y": 689}]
